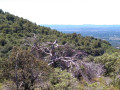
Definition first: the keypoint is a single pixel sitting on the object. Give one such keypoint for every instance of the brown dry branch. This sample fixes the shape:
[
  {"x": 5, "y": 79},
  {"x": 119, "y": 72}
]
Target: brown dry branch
[{"x": 65, "y": 57}]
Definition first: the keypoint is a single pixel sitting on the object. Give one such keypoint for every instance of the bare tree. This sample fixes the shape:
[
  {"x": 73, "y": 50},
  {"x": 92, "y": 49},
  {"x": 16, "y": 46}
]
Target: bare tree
[{"x": 65, "y": 57}]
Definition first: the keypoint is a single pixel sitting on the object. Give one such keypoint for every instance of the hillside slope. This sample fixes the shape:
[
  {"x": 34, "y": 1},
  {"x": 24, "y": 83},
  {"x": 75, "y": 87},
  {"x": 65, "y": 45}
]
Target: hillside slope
[
  {"x": 13, "y": 30},
  {"x": 77, "y": 57}
]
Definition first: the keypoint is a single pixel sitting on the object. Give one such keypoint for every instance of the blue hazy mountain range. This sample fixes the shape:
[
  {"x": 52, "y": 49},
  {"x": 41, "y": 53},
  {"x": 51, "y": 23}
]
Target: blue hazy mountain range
[{"x": 110, "y": 33}]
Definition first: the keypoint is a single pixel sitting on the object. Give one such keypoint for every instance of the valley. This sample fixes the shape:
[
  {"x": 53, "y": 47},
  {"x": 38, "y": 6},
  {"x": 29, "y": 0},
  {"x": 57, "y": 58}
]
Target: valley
[{"x": 111, "y": 33}]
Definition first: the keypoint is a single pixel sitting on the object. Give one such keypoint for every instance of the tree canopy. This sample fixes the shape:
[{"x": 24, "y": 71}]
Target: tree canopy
[{"x": 38, "y": 57}]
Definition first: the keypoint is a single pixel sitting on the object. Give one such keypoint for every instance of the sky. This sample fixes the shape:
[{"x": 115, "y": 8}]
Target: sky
[{"x": 75, "y": 12}]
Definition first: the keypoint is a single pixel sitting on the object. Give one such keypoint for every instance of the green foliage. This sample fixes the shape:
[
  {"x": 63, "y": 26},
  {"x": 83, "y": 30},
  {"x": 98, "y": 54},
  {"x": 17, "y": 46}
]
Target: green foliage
[
  {"x": 62, "y": 80},
  {"x": 3, "y": 41},
  {"x": 23, "y": 67},
  {"x": 14, "y": 30},
  {"x": 1, "y": 11},
  {"x": 111, "y": 62},
  {"x": 97, "y": 84}
]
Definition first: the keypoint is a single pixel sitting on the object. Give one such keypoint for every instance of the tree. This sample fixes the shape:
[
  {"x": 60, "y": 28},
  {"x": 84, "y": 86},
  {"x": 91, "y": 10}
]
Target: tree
[
  {"x": 1, "y": 11},
  {"x": 63, "y": 80},
  {"x": 64, "y": 57},
  {"x": 110, "y": 62},
  {"x": 25, "y": 70}
]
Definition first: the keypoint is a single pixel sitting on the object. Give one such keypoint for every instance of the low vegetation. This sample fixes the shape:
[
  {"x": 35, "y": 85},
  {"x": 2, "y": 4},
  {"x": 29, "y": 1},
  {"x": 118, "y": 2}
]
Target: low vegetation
[{"x": 35, "y": 57}]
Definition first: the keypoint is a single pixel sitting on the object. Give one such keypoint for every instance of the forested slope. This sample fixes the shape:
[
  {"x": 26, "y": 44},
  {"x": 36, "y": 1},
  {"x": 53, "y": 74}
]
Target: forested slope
[
  {"x": 33, "y": 56},
  {"x": 13, "y": 31}
]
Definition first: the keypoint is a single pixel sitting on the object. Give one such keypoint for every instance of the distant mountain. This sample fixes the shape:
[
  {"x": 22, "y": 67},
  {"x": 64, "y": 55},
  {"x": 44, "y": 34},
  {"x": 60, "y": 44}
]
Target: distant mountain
[
  {"x": 82, "y": 26},
  {"x": 110, "y": 33}
]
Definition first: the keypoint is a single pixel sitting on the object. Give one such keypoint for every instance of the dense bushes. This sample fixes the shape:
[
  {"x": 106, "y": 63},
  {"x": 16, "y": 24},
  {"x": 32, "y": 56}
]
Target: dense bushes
[
  {"x": 111, "y": 62},
  {"x": 62, "y": 80},
  {"x": 24, "y": 69},
  {"x": 14, "y": 31}
]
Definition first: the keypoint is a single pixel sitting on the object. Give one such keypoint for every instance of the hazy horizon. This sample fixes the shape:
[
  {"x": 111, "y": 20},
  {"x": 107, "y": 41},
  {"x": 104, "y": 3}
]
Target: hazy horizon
[
  {"x": 84, "y": 24},
  {"x": 67, "y": 12}
]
